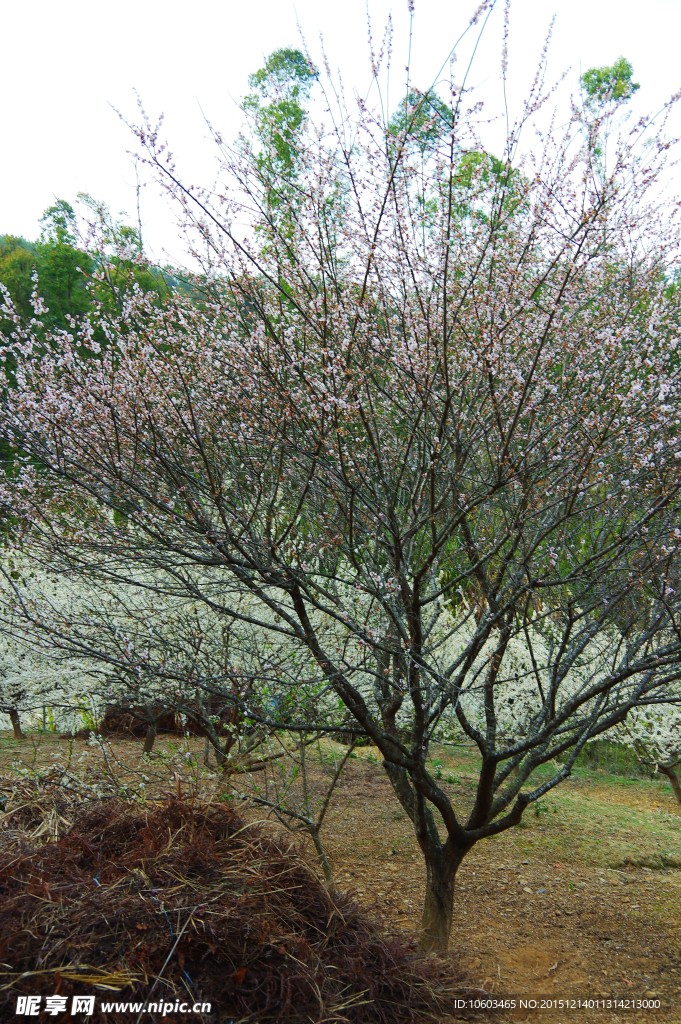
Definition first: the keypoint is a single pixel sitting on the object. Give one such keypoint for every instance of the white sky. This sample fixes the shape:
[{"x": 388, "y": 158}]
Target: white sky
[{"x": 66, "y": 62}]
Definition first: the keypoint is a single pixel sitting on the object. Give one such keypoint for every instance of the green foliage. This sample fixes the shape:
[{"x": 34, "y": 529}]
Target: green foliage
[
  {"x": 88, "y": 718},
  {"x": 68, "y": 277},
  {"x": 278, "y": 107},
  {"x": 613, "y": 759},
  {"x": 61, "y": 270},
  {"x": 609, "y": 84},
  {"x": 18, "y": 259},
  {"x": 59, "y": 224},
  {"x": 120, "y": 265},
  {"x": 482, "y": 186},
  {"x": 421, "y": 120},
  {"x": 287, "y": 72}
]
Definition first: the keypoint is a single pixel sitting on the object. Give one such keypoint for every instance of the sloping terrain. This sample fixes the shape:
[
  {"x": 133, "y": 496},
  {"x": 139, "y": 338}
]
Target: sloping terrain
[{"x": 582, "y": 902}]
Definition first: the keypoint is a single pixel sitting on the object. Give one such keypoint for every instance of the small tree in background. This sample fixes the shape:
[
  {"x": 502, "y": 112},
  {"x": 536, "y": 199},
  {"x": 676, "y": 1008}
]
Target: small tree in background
[
  {"x": 655, "y": 736},
  {"x": 609, "y": 85},
  {"x": 278, "y": 108},
  {"x": 299, "y": 786},
  {"x": 426, "y": 440}
]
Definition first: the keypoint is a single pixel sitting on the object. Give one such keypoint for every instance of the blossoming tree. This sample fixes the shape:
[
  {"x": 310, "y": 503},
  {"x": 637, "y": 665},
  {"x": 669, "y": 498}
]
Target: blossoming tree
[
  {"x": 655, "y": 736},
  {"x": 429, "y": 423},
  {"x": 37, "y": 681},
  {"x": 138, "y": 652}
]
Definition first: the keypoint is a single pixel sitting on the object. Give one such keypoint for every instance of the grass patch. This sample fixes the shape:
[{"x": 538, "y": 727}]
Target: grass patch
[{"x": 595, "y": 818}]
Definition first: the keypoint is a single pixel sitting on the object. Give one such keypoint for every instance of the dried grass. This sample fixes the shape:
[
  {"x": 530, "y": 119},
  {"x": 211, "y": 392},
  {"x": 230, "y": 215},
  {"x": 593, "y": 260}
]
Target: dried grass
[
  {"x": 34, "y": 811},
  {"x": 191, "y": 901}
]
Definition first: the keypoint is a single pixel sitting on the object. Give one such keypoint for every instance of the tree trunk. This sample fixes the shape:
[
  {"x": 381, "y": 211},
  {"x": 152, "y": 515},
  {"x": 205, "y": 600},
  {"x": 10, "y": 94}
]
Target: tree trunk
[
  {"x": 213, "y": 739},
  {"x": 442, "y": 861},
  {"x": 16, "y": 724},
  {"x": 436, "y": 923},
  {"x": 149, "y": 738},
  {"x": 673, "y": 778},
  {"x": 323, "y": 859}
]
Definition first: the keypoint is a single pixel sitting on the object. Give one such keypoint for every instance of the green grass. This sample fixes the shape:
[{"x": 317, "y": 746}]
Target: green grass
[{"x": 596, "y": 818}]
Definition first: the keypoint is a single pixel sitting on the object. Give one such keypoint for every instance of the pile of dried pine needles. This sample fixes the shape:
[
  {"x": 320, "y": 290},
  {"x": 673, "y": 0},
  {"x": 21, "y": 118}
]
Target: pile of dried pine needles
[{"x": 187, "y": 901}]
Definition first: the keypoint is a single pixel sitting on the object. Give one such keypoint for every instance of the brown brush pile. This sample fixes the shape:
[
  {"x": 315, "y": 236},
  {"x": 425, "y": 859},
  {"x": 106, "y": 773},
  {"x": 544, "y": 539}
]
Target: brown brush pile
[{"x": 190, "y": 903}]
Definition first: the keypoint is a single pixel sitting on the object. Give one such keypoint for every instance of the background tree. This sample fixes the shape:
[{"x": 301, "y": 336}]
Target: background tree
[
  {"x": 434, "y": 458},
  {"x": 421, "y": 120},
  {"x": 277, "y": 110},
  {"x": 160, "y": 656},
  {"x": 609, "y": 84},
  {"x": 300, "y": 785},
  {"x": 64, "y": 268},
  {"x": 605, "y": 92},
  {"x": 278, "y": 107},
  {"x": 60, "y": 266},
  {"x": 655, "y": 736},
  {"x": 119, "y": 263},
  {"x": 167, "y": 663}
]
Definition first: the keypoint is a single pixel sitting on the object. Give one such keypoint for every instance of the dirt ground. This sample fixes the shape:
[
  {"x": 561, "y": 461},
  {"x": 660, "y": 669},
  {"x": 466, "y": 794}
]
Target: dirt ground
[
  {"x": 583, "y": 902},
  {"x": 525, "y": 925}
]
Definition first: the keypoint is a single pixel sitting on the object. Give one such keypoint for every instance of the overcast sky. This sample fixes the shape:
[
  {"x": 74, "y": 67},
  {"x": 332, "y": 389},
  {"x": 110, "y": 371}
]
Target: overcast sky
[{"x": 65, "y": 64}]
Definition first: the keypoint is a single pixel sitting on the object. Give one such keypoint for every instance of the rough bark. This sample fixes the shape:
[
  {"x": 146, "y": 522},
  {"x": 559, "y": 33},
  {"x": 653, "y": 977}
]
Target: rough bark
[
  {"x": 438, "y": 908},
  {"x": 442, "y": 861},
  {"x": 149, "y": 738},
  {"x": 16, "y": 724}
]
